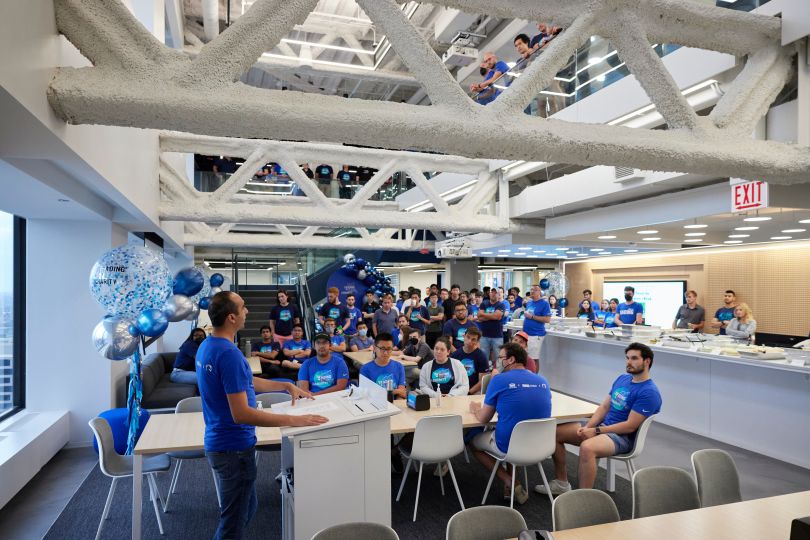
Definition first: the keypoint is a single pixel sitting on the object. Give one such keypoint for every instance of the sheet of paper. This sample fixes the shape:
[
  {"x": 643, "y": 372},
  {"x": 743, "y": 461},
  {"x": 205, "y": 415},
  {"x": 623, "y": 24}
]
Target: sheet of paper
[
  {"x": 374, "y": 392},
  {"x": 304, "y": 407}
]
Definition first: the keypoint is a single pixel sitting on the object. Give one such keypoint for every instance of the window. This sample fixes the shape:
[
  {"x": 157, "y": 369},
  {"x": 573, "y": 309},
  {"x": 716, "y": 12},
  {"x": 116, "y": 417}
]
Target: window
[{"x": 12, "y": 289}]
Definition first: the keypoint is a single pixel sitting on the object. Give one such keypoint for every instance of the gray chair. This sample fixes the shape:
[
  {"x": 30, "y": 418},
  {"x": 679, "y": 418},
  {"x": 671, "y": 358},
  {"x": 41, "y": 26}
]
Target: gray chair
[
  {"x": 188, "y": 405},
  {"x": 638, "y": 446},
  {"x": 717, "y": 479},
  {"x": 485, "y": 523},
  {"x": 435, "y": 440},
  {"x": 360, "y": 530},
  {"x": 663, "y": 490},
  {"x": 117, "y": 466},
  {"x": 485, "y": 383},
  {"x": 583, "y": 508}
]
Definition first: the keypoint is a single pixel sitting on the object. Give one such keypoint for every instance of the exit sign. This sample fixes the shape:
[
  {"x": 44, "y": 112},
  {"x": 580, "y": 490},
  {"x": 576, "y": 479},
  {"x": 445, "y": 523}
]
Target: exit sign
[{"x": 746, "y": 196}]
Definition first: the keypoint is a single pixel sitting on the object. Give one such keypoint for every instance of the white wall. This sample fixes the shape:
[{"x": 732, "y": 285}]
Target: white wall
[{"x": 409, "y": 278}]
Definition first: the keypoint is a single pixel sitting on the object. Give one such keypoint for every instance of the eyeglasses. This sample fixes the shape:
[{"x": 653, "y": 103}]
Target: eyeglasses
[{"x": 385, "y": 349}]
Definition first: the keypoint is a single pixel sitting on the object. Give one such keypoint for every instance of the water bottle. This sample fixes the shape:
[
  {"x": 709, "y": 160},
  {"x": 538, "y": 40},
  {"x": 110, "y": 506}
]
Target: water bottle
[
  {"x": 260, "y": 405},
  {"x": 438, "y": 395},
  {"x": 246, "y": 349}
]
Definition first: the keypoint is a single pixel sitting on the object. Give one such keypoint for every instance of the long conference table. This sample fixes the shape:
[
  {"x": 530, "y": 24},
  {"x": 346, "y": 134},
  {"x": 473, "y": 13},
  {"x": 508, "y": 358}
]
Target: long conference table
[{"x": 185, "y": 431}]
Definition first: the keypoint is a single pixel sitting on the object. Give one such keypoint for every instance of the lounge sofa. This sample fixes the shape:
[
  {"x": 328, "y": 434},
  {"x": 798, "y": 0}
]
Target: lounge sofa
[{"x": 159, "y": 392}]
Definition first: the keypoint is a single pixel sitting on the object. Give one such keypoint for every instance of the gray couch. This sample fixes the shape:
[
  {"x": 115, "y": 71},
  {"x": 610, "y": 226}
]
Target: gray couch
[{"x": 159, "y": 392}]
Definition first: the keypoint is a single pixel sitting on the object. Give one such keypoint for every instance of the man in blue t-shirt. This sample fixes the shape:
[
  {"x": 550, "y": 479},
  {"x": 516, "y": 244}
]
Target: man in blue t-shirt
[
  {"x": 516, "y": 395},
  {"x": 473, "y": 360},
  {"x": 417, "y": 314},
  {"x": 490, "y": 314},
  {"x": 612, "y": 428},
  {"x": 326, "y": 372},
  {"x": 228, "y": 392},
  {"x": 456, "y": 327},
  {"x": 337, "y": 343},
  {"x": 388, "y": 373},
  {"x": 334, "y": 309},
  {"x": 495, "y": 70},
  {"x": 630, "y": 312},
  {"x": 724, "y": 314},
  {"x": 355, "y": 315},
  {"x": 536, "y": 314},
  {"x": 267, "y": 350}
]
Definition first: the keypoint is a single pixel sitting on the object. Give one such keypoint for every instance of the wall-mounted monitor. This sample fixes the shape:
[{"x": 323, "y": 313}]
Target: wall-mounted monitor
[{"x": 661, "y": 299}]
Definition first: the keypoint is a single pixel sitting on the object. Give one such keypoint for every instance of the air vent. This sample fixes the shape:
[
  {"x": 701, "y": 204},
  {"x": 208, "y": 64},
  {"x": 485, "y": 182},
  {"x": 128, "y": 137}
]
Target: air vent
[{"x": 624, "y": 174}]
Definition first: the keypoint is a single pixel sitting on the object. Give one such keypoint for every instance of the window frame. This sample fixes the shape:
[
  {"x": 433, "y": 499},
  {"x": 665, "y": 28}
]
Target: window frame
[{"x": 18, "y": 313}]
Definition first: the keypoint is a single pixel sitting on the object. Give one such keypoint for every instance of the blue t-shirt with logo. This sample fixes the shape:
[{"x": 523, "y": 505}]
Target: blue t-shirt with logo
[
  {"x": 489, "y": 98},
  {"x": 393, "y": 372},
  {"x": 539, "y": 308},
  {"x": 413, "y": 318},
  {"x": 284, "y": 318},
  {"x": 456, "y": 331},
  {"x": 354, "y": 316},
  {"x": 625, "y": 396},
  {"x": 491, "y": 329},
  {"x": 724, "y": 314},
  {"x": 337, "y": 340},
  {"x": 517, "y": 395},
  {"x": 297, "y": 345},
  {"x": 610, "y": 320},
  {"x": 627, "y": 312},
  {"x": 395, "y": 333},
  {"x": 323, "y": 376},
  {"x": 221, "y": 370},
  {"x": 472, "y": 310},
  {"x": 474, "y": 363},
  {"x": 261, "y": 346},
  {"x": 518, "y": 302},
  {"x": 442, "y": 374},
  {"x": 186, "y": 355},
  {"x": 339, "y": 313}
]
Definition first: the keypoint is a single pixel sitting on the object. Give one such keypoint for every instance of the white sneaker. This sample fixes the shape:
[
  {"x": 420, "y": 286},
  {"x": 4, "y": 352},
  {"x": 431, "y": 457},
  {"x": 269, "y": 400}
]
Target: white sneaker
[
  {"x": 557, "y": 487},
  {"x": 441, "y": 470}
]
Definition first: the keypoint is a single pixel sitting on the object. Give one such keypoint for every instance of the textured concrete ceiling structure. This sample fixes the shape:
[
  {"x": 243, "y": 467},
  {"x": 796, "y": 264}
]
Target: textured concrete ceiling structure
[{"x": 136, "y": 81}]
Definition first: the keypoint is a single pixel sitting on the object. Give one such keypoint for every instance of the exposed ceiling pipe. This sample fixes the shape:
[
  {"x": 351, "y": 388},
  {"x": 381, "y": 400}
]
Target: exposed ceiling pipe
[{"x": 210, "y": 18}]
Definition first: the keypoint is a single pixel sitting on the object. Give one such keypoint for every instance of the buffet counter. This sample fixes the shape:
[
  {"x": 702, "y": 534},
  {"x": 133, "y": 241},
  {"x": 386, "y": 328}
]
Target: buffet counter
[{"x": 758, "y": 405}]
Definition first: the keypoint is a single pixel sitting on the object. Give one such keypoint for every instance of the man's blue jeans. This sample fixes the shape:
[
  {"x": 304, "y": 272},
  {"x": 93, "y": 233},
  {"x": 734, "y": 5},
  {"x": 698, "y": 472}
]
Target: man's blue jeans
[
  {"x": 490, "y": 347},
  {"x": 236, "y": 478}
]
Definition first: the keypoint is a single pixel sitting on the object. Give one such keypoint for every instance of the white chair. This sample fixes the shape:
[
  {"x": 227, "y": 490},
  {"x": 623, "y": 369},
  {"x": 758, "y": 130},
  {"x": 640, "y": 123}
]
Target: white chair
[
  {"x": 361, "y": 530},
  {"x": 187, "y": 405},
  {"x": 485, "y": 523},
  {"x": 717, "y": 478},
  {"x": 638, "y": 447},
  {"x": 435, "y": 440},
  {"x": 582, "y": 508},
  {"x": 531, "y": 442},
  {"x": 663, "y": 490},
  {"x": 117, "y": 466}
]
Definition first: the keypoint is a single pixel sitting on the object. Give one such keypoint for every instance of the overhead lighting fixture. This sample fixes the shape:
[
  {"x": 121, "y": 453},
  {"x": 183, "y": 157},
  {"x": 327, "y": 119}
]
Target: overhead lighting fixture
[
  {"x": 606, "y": 237},
  {"x": 695, "y": 234},
  {"x": 804, "y": 221},
  {"x": 651, "y": 238},
  {"x": 650, "y": 231},
  {"x": 597, "y": 249},
  {"x": 316, "y": 61},
  {"x": 794, "y": 230},
  {"x": 538, "y": 251},
  {"x": 605, "y": 253},
  {"x": 739, "y": 236},
  {"x": 758, "y": 218},
  {"x": 631, "y": 251},
  {"x": 692, "y": 240},
  {"x": 582, "y": 254},
  {"x": 524, "y": 249},
  {"x": 651, "y": 107},
  {"x": 561, "y": 249},
  {"x": 781, "y": 237},
  {"x": 746, "y": 228},
  {"x": 324, "y": 46},
  {"x": 485, "y": 253},
  {"x": 733, "y": 242},
  {"x": 504, "y": 251},
  {"x": 695, "y": 226},
  {"x": 572, "y": 252}
]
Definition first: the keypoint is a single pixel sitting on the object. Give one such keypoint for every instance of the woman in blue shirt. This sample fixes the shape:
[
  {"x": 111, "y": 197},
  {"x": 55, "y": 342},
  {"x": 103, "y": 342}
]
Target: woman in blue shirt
[
  {"x": 610, "y": 316},
  {"x": 585, "y": 311},
  {"x": 184, "y": 371}
]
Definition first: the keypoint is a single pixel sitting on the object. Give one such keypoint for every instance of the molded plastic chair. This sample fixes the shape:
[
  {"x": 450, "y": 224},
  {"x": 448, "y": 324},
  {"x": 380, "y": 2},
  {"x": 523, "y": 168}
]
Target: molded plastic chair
[
  {"x": 583, "y": 508},
  {"x": 268, "y": 399},
  {"x": 435, "y": 440},
  {"x": 117, "y": 466},
  {"x": 485, "y": 523},
  {"x": 531, "y": 442},
  {"x": 717, "y": 479},
  {"x": 663, "y": 490},
  {"x": 187, "y": 405},
  {"x": 360, "y": 530},
  {"x": 638, "y": 446},
  {"x": 485, "y": 383}
]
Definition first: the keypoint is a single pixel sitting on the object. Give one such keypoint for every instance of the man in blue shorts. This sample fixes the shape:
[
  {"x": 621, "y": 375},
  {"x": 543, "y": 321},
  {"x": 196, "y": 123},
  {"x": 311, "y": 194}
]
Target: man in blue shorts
[{"x": 612, "y": 428}]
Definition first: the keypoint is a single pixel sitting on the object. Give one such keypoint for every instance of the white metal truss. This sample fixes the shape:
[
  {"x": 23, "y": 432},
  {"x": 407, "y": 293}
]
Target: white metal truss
[
  {"x": 137, "y": 81},
  {"x": 316, "y": 212}
]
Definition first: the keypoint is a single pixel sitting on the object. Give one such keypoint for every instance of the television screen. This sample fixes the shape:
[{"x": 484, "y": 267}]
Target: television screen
[{"x": 661, "y": 299}]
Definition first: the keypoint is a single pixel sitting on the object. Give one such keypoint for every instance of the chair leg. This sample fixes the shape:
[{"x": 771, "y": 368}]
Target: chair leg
[
  {"x": 441, "y": 478},
  {"x": 631, "y": 467},
  {"x": 150, "y": 478},
  {"x": 526, "y": 477},
  {"x": 404, "y": 477},
  {"x": 172, "y": 484},
  {"x": 455, "y": 484},
  {"x": 512, "y": 497},
  {"x": 216, "y": 488},
  {"x": 466, "y": 455},
  {"x": 545, "y": 483},
  {"x": 105, "y": 514},
  {"x": 491, "y": 476},
  {"x": 418, "y": 485}
]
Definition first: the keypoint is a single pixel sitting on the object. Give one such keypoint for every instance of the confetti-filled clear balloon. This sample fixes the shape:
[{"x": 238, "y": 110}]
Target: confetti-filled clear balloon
[
  {"x": 206, "y": 290},
  {"x": 177, "y": 307},
  {"x": 115, "y": 338},
  {"x": 557, "y": 284},
  {"x": 130, "y": 279},
  {"x": 214, "y": 291}
]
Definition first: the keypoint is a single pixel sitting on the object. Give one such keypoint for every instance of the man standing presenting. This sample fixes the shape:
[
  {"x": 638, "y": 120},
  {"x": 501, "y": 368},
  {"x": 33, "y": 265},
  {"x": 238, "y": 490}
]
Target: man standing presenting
[
  {"x": 725, "y": 314},
  {"x": 535, "y": 316},
  {"x": 690, "y": 315},
  {"x": 227, "y": 389},
  {"x": 631, "y": 312}
]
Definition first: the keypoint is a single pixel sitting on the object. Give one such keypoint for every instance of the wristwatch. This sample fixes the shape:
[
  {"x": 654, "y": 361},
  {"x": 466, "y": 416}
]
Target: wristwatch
[{"x": 598, "y": 430}]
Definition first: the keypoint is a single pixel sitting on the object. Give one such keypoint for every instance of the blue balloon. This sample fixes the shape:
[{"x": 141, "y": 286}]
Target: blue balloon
[
  {"x": 204, "y": 303},
  {"x": 130, "y": 279},
  {"x": 359, "y": 263},
  {"x": 188, "y": 281},
  {"x": 152, "y": 322},
  {"x": 217, "y": 280},
  {"x": 544, "y": 284},
  {"x": 370, "y": 280},
  {"x": 563, "y": 302}
]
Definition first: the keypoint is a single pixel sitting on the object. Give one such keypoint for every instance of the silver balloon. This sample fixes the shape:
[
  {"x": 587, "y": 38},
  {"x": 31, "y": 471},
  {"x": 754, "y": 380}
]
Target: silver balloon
[
  {"x": 215, "y": 290},
  {"x": 178, "y": 307},
  {"x": 349, "y": 258},
  {"x": 361, "y": 275},
  {"x": 115, "y": 338},
  {"x": 195, "y": 312}
]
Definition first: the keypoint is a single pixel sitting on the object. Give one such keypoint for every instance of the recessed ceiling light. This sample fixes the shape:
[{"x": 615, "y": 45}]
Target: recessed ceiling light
[
  {"x": 651, "y": 238},
  {"x": 695, "y": 226},
  {"x": 504, "y": 250},
  {"x": 524, "y": 249},
  {"x": 758, "y": 218},
  {"x": 486, "y": 253},
  {"x": 631, "y": 251},
  {"x": 695, "y": 234},
  {"x": 692, "y": 240},
  {"x": 650, "y": 231},
  {"x": 605, "y": 253},
  {"x": 582, "y": 254},
  {"x": 746, "y": 228},
  {"x": 606, "y": 237},
  {"x": 739, "y": 235},
  {"x": 781, "y": 237},
  {"x": 572, "y": 252},
  {"x": 804, "y": 221},
  {"x": 562, "y": 249},
  {"x": 597, "y": 249},
  {"x": 538, "y": 251},
  {"x": 733, "y": 242},
  {"x": 793, "y": 230}
]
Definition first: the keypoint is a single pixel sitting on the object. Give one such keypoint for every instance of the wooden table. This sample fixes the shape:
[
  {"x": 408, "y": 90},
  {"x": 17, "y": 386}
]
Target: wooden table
[
  {"x": 361, "y": 358},
  {"x": 255, "y": 365},
  {"x": 761, "y": 518}
]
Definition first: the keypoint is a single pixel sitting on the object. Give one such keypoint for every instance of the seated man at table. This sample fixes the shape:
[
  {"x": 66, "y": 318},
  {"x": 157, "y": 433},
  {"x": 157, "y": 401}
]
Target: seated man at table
[
  {"x": 386, "y": 372},
  {"x": 267, "y": 350},
  {"x": 337, "y": 343},
  {"x": 612, "y": 428},
  {"x": 517, "y": 394},
  {"x": 361, "y": 342},
  {"x": 296, "y": 350},
  {"x": 325, "y": 372},
  {"x": 472, "y": 358}
]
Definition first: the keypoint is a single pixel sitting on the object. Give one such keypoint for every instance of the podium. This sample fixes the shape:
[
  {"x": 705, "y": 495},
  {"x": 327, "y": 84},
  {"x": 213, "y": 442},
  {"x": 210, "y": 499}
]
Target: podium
[{"x": 337, "y": 472}]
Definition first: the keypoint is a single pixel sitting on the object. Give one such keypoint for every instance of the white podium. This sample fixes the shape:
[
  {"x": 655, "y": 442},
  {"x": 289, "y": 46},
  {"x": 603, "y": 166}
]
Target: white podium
[{"x": 337, "y": 472}]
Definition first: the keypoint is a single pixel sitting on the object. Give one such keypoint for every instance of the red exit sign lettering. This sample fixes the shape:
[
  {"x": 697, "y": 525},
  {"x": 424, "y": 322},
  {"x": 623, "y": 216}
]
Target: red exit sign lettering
[{"x": 746, "y": 196}]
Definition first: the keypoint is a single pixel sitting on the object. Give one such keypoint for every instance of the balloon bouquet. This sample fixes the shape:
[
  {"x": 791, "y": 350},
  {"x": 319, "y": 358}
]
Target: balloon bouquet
[
  {"x": 374, "y": 279},
  {"x": 135, "y": 287},
  {"x": 555, "y": 283}
]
